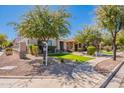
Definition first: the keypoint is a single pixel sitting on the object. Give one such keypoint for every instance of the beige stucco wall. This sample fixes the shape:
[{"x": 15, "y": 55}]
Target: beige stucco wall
[
  {"x": 54, "y": 42},
  {"x": 65, "y": 46},
  {"x": 33, "y": 41}
]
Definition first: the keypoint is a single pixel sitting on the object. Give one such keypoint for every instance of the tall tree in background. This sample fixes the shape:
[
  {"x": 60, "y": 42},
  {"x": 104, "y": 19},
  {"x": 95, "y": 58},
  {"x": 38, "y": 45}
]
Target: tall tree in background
[
  {"x": 3, "y": 38},
  {"x": 89, "y": 35},
  {"x": 111, "y": 18},
  {"x": 42, "y": 24},
  {"x": 120, "y": 39},
  {"x": 106, "y": 39}
]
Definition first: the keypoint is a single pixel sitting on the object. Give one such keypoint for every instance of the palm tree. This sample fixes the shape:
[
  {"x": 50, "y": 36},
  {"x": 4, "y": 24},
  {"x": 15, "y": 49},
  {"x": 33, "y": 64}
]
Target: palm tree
[
  {"x": 111, "y": 18},
  {"x": 42, "y": 24}
]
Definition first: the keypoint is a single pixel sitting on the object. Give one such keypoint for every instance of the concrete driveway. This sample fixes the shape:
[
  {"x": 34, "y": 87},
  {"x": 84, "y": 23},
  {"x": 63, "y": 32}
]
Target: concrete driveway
[{"x": 1, "y": 53}]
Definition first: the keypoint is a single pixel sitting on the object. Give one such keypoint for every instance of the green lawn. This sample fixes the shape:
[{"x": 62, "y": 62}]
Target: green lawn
[
  {"x": 71, "y": 57},
  {"x": 106, "y": 52}
]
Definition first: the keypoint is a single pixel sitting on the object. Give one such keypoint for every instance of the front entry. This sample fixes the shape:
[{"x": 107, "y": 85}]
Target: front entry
[
  {"x": 40, "y": 45},
  {"x": 61, "y": 46},
  {"x": 76, "y": 47}
]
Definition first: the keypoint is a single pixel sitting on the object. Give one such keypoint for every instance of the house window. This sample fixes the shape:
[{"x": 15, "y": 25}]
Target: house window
[{"x": 50, "y": 43}]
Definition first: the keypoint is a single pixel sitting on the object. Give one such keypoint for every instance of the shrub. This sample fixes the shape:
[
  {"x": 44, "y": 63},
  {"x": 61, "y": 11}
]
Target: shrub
[
  {"x": 77, "y": 60},
  {"x": 62, "y": 60},
  {"x": 35, "y": 50},
  {"x": 8, "y": 51},
  {"x": 30, "y": 49},
  {"x": 91, "y": 50}
]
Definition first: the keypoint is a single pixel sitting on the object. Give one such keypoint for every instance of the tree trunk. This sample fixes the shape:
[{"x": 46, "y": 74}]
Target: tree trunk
[{"x": 114, "y": 47}]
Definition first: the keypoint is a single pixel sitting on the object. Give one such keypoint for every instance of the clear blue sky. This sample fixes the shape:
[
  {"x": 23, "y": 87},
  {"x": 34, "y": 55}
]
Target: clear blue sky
[{"x": 81, "y": 15}]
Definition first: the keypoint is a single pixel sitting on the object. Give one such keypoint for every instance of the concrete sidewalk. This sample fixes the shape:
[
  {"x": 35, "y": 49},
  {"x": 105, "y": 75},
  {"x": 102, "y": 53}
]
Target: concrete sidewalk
[
  {"x": 116, "y": 82},
  {"x": 97, "y": 60},
  {"x": 29, "y": 83}
]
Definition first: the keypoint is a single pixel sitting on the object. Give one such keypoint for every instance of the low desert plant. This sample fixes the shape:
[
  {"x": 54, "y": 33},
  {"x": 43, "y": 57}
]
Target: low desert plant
[
  {"x": 8, "y": 51},
  {"x": 35, "y": 50},
  {"x": 62, "y": 60},
  {"x": 30, "y": 49},
  {"x": 91, "y": 50}
]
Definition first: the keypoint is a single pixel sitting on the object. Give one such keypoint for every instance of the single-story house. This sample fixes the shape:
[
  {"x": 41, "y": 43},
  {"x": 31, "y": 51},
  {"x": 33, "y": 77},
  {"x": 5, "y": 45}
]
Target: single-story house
[{"x": 59, "y": 45}]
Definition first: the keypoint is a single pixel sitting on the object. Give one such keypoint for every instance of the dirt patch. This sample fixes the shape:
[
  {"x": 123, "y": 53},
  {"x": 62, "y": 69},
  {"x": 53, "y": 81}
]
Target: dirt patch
[
  {"x": 106, "y": 66},
  {"x": 22, "y": 66},
  {"x": 33, "y": 67}
]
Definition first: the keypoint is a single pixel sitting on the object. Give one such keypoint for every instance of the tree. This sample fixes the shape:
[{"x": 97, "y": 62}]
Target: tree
[
  {"x": 90, "y": 35},
  {"x": 2, "y": 39},
  {"x": 7, "y": 44},
  {"x": 111, "y": 18},
  {"x": 42, "y": 24},
  {"x": 120, "y": 39},
  {"x": 106, "y": 39}
]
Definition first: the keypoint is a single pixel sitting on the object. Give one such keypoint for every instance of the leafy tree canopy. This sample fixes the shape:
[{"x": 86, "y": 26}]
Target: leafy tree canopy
[
  {"x": 89, "y": 35},
  {"x": 41, "y": 23},
  {"x": 2, "y": 38}
]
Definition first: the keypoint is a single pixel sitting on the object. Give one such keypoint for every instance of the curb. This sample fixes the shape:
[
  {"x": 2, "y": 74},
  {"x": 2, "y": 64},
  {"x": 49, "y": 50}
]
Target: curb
[
  {"x": 104, "y": 83},
  {"x": 26, "y": 77}
]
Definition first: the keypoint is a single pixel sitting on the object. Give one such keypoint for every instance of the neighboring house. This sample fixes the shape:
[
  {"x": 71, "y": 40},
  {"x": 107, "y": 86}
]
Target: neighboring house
[{"x": 60, "y": 45}]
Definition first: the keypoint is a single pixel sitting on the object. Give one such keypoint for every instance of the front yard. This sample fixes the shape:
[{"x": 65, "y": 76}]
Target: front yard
[
  {"x": 68, "y": 74},
  {"x": 106, "y": 52},
  {"x": 70, "y": 56}
]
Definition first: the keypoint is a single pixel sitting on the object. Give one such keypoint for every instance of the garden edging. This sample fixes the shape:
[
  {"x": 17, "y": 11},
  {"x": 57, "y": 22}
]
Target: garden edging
[{"x": 105, "y": 82}]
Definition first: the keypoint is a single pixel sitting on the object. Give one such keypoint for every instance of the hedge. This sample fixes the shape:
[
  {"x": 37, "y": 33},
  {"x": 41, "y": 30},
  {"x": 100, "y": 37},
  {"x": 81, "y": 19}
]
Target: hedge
[{"x": 91, "y": 50}]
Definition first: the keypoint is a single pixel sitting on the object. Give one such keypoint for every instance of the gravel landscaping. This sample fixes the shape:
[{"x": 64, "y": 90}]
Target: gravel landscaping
[
  {"x": 68, "y": 74},
  {"x": 106, "y": 66}
]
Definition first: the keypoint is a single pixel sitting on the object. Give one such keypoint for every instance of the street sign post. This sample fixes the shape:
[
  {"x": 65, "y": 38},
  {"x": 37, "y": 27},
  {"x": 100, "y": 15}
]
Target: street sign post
[{"x": 45, "y": 53}]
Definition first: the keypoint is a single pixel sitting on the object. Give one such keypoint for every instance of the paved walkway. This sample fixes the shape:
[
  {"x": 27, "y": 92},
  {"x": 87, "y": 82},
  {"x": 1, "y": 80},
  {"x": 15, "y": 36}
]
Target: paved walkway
[
  {"x": 97, "y": 60},
  {"x": 1, "y": 53},
  {"x": 28, "y": 83},
  {"x": 118, "y": 80}
]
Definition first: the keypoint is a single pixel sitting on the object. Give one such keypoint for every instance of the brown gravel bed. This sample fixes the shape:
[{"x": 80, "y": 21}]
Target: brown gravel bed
[
  {"x": 22, "y": 68},
  {"x": 106, "y": 66},
  {"x": 34, "y": 68}
]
